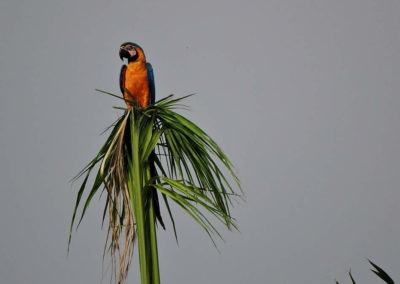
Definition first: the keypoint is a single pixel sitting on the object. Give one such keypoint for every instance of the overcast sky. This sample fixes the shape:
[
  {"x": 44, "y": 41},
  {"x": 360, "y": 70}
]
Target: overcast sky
[{"x": 303, "y": 96}]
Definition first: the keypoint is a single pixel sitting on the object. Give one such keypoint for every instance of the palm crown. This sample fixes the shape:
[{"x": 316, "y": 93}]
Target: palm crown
[{"x": 150, "y": 150}]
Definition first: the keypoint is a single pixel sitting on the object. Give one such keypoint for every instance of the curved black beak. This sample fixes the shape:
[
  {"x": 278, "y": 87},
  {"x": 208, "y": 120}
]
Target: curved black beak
[{"x": 123, "y": 53}]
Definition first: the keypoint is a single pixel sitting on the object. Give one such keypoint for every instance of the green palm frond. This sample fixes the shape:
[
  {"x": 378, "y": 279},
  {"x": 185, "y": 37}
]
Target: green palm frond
[
  {"x": 381, "y": 273},
  {"x": 378, "y": 271},
  {"x": 150, "y": 150}
]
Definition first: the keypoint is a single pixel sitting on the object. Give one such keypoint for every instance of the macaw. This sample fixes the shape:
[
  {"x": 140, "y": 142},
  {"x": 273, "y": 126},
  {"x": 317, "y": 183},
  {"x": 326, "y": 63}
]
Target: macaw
[
  {"x": 137, "y": 79},
  {"x": 137, "y": 83}
]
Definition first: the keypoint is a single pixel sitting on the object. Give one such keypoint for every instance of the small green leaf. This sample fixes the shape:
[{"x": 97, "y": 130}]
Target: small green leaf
[{"x": 381, "y": 273}]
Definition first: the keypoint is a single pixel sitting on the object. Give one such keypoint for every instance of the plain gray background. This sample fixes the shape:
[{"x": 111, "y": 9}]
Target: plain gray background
[{"x": 303, "y": 96}]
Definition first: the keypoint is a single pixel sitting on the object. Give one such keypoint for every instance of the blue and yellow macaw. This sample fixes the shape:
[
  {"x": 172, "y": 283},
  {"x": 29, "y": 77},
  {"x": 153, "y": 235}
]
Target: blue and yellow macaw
[
  {"x": 137, "y": 84},
  {"x": 137, "y": 79}
]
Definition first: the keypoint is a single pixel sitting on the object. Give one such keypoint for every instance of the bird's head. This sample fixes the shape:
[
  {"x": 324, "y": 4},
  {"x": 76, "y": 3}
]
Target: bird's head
[{"x": 131, "y": 51}]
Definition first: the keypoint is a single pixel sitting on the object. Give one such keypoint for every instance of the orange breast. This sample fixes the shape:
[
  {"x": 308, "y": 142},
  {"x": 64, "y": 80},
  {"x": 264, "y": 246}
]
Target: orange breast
[{"x": 137, "y": 84}]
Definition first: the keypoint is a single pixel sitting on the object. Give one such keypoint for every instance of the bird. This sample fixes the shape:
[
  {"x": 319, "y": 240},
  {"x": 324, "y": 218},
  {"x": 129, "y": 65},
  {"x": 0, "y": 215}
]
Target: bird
[{"x": 136, "y": 80}]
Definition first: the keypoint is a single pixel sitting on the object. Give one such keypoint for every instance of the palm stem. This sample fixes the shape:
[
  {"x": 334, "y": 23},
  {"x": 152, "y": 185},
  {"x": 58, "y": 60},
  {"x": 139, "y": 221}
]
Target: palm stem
[
  {"x": 153, "y": 245},
  {"x": 136, "y": 190}
]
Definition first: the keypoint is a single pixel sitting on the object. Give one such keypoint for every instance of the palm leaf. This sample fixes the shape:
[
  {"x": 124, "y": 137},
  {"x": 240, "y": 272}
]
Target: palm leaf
[
  {"x": 381, "y": 273},
  {"x": 378, "y": 271}
]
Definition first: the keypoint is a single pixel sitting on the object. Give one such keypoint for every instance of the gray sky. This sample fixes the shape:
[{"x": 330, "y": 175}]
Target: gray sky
[{"x": 303, "y": 96}]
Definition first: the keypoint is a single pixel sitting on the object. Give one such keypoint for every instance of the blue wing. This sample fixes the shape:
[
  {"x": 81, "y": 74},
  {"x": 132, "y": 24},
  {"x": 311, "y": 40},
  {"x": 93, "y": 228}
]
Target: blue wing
[
  {"x": 122, "y": 78},
  {"x": 150, "y": 79}
]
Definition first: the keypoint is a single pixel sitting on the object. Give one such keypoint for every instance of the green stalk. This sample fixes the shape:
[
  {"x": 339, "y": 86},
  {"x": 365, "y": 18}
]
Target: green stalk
[
  {"x": 136, "y": 189},
  {"x": 153, "y": 243},
  {"x": 151, "y": 236}
]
